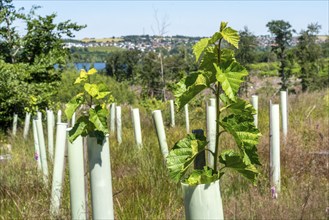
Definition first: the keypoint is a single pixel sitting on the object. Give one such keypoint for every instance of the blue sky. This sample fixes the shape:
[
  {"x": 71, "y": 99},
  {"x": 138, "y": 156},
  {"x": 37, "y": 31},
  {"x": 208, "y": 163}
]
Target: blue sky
[{"x": 193, "y": 18}]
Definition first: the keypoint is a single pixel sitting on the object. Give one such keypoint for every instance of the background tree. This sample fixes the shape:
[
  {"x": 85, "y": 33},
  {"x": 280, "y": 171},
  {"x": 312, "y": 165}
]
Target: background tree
[
  {"x": 246, "y": 53},
  {"x": 27, "y": 62},
  {"x": 308, "y": 54},
  {"x": 282, "y": 32},
  {"x": 9, "y": 38}
]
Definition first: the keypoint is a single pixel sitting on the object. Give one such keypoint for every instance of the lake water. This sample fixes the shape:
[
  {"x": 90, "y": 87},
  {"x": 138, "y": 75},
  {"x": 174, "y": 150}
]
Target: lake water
[{"x": 86, "y": 66}]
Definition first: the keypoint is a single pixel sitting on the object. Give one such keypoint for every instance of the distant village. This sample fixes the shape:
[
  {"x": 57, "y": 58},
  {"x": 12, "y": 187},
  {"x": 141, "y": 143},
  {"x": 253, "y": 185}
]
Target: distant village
[{"x": 151, "y": 43}]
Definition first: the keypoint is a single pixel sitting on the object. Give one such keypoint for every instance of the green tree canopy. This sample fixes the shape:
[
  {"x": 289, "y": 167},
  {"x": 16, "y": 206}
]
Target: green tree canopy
[{"x": 282, "y": 32}]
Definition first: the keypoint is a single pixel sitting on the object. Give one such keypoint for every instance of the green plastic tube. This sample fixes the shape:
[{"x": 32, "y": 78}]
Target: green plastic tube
[
  {"x": 14, "y": 131},
  {"x": 36, "y": 143},
  {"x": 203, "y": 201},
  {"x": 26, "y": 124},
  {"x": 137, "y": 127},
  {"x": 42, "y": 146},
  {"x": 100, "y": 178},
  {"x": 118, "y": 123},
  {"x": 58, "y": 171},
  {"x": 159, "y": 127},
  {"x": 77, "y": 180},
  {"x": 50, "y": 134}
]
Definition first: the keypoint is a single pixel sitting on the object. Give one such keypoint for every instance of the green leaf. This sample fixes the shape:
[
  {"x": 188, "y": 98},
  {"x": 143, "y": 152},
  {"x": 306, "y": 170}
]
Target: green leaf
[
  {"x": 240, "y": 163},
  {"x": 183, "y": 154},
  {"x": 82, "y": 77},
  {"x": 73, "y": 104},
  {"x": 91, "y": 89},
  {"x": 231, "y": 36},
  {"x": 231, "y": 78},
  {"x": 204, "y": 176},
  {"x": 92, "y": 71},
  {"x": 223, "y": 25},
  {"x": 240, "y": 107},
  {"x": 103, "y": 91},
  {"x": 98, "y": 116},
  {"x": 199, "y": 47},
  {"x": 80, "y": 128},
  {"x": 215, "y": 37},
  {"x": 210, "y": 57},
  {"x": 189, "y": 87},
  {"x": 244, "y": 132}
]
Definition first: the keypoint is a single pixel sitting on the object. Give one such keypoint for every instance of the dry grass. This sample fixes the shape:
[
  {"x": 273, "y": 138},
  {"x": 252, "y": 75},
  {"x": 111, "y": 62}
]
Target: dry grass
[{"x": 141, "y": 186}]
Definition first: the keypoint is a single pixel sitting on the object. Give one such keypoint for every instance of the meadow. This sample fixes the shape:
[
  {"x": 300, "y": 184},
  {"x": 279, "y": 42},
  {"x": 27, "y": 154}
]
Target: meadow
[{"x": 141, "y": 185}]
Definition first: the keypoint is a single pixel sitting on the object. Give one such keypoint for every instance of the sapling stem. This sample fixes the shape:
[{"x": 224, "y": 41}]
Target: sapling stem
[{"x": 217, "y": 114}]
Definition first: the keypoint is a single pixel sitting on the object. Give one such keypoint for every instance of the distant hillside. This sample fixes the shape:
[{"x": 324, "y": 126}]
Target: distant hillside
[{"x": 102, "y": 40}]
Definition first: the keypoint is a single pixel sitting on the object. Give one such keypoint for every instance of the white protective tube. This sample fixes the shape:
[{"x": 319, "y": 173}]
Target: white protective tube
[
  {"x": 15, "y": 124},
  {"x": 254, "y": 102},
  {"x": 73, "y": 120},
  {"x": 275, "y": 148},
  {"x": 137, "y": 127},
  {"x": 26, "y": 124},
  {"x": 100, "y": 178},
  {"x": 203, "y": 201},
  {"x": 118, "y": 123},
  {"x": 42, "y": 146},
  {"x": 77, "y": 180},
  {"x": 212, "y": 102},
  {"x": 58, "y": 172},
  {"x": 36, "y": 143},
  {"x": 211, "y": 133},
  {"x": 172, "y": 113},
  {"x": 284, "y": 113},
  {"x": 159, "y": 127},
  {"x": 50, "y": 134},
  {"x": 59, "y": 116},
  {"x": 112, "y": 117},
  {"x": 187, "y": 120}
]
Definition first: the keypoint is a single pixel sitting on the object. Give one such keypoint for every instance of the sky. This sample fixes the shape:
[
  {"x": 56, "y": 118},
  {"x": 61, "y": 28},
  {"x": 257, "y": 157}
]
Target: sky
[{"x": 190, "y": 18}]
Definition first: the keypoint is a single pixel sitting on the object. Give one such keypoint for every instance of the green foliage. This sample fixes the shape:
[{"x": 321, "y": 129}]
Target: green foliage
[
  {"x": 247, "y": 47},
  {"x": 120, "y": 91},
  {"x": 96, "y": 97},
  {"x": 283, "y": 36},
  {"x": 20, "y": 91},
  {"x": 219, "y": 71},
  {"x": 204, "y": 176},
  {"x": 182, "y": 155},
  {"x": 264, "y": 69},
  {"x": 308, "y": 54}
]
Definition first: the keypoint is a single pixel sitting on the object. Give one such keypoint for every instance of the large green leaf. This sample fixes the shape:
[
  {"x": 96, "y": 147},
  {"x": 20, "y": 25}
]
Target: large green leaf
[
  {"x": 231, "y": 36},
  {"x": 98, "y": 116},
  {"x": 223, "y": 25},
  {"x": 102, "y": 91},
  {"x": 80, "y": 128},
  {"x": 73, "y": 104},
  {"x": 210, "y": 57},
  {"x": 199, "y": 47},
  {"x": 231, "y": 78},
  {"x": 189, "y": 87},
  {"x": 240, "y": 107},
  {"x": 82, "y": 77},
  {"x": 240, "y": 163},
  {"x": 183, "y": 154},
  {"x": 244, "y": 132},
  {"x": 204, "y": 176},
  {"x": 91, "y": 89}
]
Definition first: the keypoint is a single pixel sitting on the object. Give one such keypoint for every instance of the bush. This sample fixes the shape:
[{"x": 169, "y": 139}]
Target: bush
[{"x": 120, "y": 91}]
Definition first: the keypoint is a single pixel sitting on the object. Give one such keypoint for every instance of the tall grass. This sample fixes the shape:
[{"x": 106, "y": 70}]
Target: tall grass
[{"x": 141, "y": 185}]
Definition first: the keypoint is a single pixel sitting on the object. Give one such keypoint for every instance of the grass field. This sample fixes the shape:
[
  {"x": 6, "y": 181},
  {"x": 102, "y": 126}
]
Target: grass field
[{"x": 141, "y": 186}]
